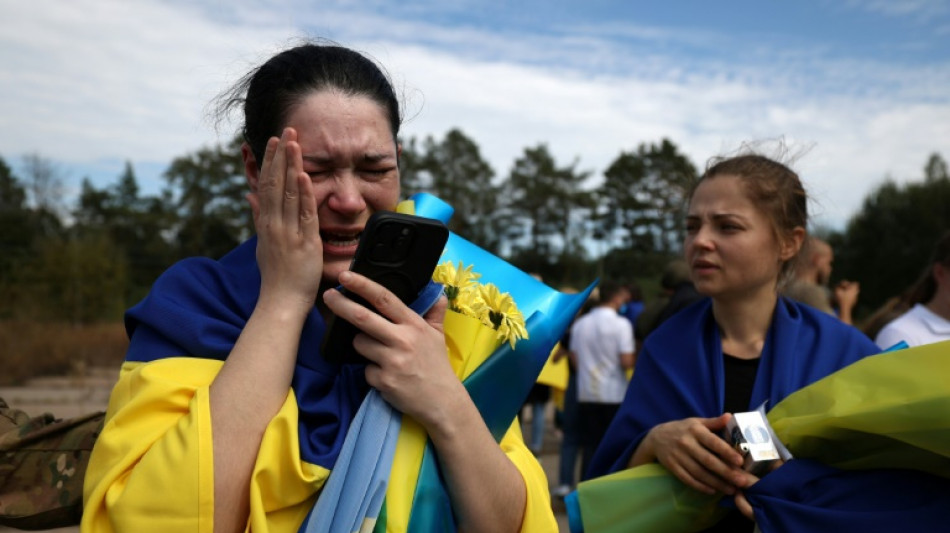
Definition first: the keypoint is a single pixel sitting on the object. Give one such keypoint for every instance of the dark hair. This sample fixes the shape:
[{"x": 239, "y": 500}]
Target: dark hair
[
  {"x": 770, "y": 185},
  {"x": 675, "y": 274},
  {"x": 268, "y": 93},
  {"x": 608, "y": 289},
  {"x": 924, "y": 289},
  {"x": 633, "y": 288}
]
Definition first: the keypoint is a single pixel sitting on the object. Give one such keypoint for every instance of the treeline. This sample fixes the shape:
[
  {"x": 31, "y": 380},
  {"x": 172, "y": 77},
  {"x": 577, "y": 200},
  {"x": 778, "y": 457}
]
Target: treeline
[{"x": 89, "y": 261}]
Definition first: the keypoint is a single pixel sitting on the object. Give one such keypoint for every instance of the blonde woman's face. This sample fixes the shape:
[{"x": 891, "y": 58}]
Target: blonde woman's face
[{"x": 730, "y": 244}]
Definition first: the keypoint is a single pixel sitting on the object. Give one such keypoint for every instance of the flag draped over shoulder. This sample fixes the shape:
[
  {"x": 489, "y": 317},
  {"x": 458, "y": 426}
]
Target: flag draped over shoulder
[
  {"x": 496, "y": 374},
  {"x": 872, "y": 453}
]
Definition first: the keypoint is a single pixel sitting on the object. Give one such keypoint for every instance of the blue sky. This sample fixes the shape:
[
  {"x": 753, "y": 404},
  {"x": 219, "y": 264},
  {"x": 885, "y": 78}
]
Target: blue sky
[{"x": 849, "y": 91}]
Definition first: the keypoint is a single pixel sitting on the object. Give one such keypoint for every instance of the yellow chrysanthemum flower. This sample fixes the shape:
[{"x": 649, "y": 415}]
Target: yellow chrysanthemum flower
[
  {"x": 468, "y": 302},
  {"x": 455, "y": 280},
  {"x": 498, "y": 310},
  {"x": 484, "y": 302}
]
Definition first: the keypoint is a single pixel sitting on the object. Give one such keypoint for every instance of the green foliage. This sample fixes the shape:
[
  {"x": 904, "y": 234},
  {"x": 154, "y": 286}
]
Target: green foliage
[
  {"x": 212, "y": 212},
  {"x": 888, "y": 242},
  {"x": 643, "y": 198},
  {"x": 453, "y": 169},
  {"x": 412, "y": 172},
  {"x": 134, "y": 225},
  {"x": 74, "y": 280},
  {"x": 540, "y": 216},
  {"x": 541, "y": 206},
  {"x": 12, "y": 195},
  {"x": 16, "y": 228}
]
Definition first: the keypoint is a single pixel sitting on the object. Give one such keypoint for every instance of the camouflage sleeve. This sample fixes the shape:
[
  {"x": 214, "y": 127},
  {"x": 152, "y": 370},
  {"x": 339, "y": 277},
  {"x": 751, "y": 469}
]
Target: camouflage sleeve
[{"x": 42, "y": 464}]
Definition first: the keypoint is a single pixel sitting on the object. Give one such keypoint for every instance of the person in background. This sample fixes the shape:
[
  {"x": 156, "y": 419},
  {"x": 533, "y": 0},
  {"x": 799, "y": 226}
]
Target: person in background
[
  {"x": 928, "y": 320},
  {"x": 536, "y": 403},
  {"x": 226, "y": 417},
  {"x": 684, "y": 295},
  {"x": 635, "y": 306},
  {"x": 569, "y": 425},
  {"x": 732, "y": 351},
  {"x": 568, "y": 417},
  {"x": 674, "y": 280},
  {"x": 812, "y": 273},
  {"x": 602, "y": 342}
]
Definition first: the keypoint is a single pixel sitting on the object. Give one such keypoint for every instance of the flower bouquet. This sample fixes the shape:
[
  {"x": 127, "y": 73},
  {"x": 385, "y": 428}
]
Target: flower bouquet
[{"x": 497, "y": 354}]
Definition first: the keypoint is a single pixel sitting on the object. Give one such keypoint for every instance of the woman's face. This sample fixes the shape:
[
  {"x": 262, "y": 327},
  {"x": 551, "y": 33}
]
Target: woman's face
[
  {"x": 349, "y": 152},
  {"x": 730, "y": 245}
]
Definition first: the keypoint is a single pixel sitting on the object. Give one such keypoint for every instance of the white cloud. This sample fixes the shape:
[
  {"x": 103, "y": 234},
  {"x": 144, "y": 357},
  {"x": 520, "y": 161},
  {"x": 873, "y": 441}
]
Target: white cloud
[
  {"x": 96, "y": 81},
  {"x": 917, "y": 8}
]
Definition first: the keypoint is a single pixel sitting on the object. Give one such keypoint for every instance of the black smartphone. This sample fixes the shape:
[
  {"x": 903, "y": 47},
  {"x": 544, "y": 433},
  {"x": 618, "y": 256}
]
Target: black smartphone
[{"x": 399, "y": 252}]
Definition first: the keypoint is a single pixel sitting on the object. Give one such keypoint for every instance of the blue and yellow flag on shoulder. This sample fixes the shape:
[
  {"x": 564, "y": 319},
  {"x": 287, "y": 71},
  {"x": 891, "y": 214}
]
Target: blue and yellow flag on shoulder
[
  {"x": 872, "y": 453},
  {"x": 153, "y": 469}
]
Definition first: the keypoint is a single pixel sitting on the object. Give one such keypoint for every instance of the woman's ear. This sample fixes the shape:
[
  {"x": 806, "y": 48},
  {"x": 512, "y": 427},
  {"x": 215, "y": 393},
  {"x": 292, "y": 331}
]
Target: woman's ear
[
  {"x": 941, "y": 274},
  {"x": 792, "y": 243},
  {"x": 251, "y": 171}
]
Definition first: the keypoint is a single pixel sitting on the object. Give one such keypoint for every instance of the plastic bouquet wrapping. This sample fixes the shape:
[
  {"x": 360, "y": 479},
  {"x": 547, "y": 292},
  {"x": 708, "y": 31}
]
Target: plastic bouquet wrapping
[
  {"x": 870, "y": 440},
  {"x": 388, "y": 475}
]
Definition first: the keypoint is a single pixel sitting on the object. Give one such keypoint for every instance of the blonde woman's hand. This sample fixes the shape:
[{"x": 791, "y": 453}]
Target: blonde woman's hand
[{"x": 692, "y": 450}]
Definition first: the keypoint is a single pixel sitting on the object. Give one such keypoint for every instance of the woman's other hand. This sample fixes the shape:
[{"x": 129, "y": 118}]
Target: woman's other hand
[
  {"x": 692, "y": 450},
  {"x": 410, "y": 366}
]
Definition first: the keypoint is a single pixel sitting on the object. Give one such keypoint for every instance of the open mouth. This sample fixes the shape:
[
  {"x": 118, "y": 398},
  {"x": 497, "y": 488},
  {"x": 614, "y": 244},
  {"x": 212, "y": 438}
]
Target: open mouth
[{"x": 340, "y": 240}]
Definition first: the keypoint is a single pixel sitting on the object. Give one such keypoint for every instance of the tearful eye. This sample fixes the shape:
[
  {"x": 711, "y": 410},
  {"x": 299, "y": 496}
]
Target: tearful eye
[
  {"x": 379, "y": 171},
  {"x": 319, "y": 174}
]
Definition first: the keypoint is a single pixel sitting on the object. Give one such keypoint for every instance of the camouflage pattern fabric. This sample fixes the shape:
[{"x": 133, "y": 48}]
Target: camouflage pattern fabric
[{"x": 42, "y": 465}]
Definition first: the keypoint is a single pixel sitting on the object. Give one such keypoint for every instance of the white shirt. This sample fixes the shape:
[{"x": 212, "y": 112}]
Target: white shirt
[
  {"x": 915, "y": 327},
  {"x": 598, "y": 339}
]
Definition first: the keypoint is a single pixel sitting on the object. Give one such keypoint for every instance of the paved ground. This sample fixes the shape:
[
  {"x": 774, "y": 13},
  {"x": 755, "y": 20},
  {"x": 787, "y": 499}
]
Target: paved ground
[{"x": 73, "y": 396}]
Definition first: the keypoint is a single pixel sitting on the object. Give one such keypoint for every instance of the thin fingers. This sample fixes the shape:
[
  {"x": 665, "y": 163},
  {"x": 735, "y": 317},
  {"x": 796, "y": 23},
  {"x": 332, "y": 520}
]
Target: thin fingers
[
  {"x": 291, "y": 192},
  {"x": 309, "y": 222},
  {"x": 702, "y": 478},
  {"x": 744, "y": 506},
  {"x": 379, "y": 297},
  {"x": 273, "y": 176},
  {"x": 363, "y": 317}
]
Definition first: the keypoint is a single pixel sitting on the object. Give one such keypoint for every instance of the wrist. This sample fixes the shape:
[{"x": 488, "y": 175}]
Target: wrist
[
  {"x": 446, "y": 421},
  {"x": 285, "y": 305},
  {"x": 644, "y": 452}
]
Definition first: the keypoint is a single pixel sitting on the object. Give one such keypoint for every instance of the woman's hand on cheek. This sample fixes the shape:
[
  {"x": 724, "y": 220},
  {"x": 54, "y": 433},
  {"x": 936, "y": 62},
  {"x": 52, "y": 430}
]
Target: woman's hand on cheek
[
  {"x": 289, "y": 250},
  {"x": 409, "y": 364}
]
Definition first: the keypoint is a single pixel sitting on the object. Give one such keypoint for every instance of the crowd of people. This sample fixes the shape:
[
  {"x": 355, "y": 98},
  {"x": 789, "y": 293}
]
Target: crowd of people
[{"x": 226, "y": 418}]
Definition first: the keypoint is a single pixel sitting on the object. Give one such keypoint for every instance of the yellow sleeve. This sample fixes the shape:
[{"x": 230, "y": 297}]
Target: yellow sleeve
[
  {"x": 538, "y": 515},
  {"x": 152, "y": 466}
]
